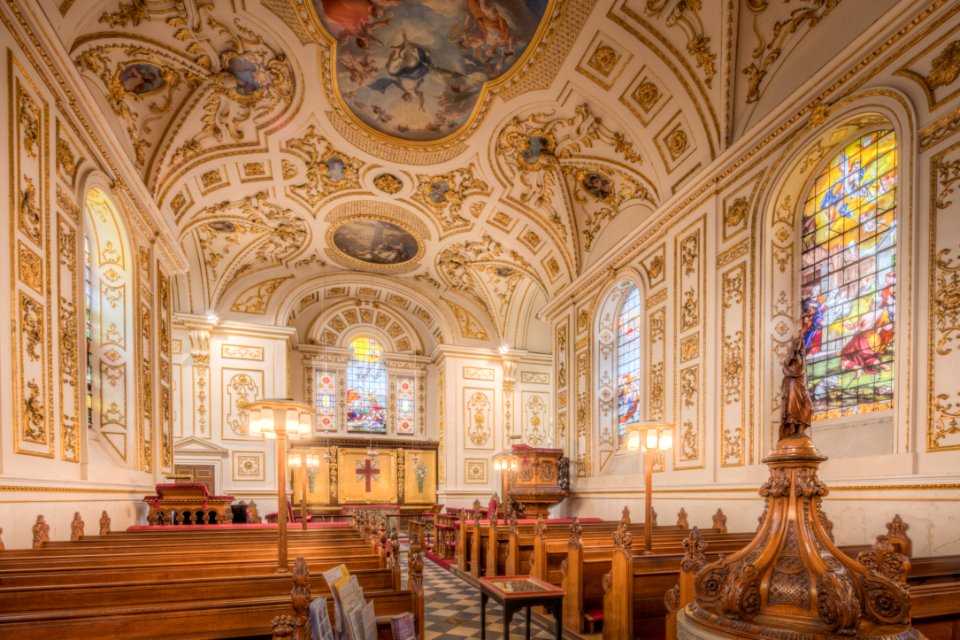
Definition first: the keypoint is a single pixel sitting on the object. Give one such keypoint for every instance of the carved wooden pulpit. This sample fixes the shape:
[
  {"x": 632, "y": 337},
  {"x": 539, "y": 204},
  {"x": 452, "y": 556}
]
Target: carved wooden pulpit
[{"x": 541, "y": 479}]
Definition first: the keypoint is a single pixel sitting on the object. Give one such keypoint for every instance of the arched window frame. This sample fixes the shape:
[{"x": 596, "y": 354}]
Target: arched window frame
[
  {"x": 605, "y": 414},
  {"x": 777, "y": 226},
  {"x": 112, "y": 343}
]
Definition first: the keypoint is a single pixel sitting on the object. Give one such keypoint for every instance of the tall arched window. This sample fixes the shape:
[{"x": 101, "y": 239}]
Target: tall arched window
[
  {"x": 848, "y": 279},
  {"x": 109, "y": 325},
  {"x": 629, "y": 385},
  {"x": 366, "y": 387}
]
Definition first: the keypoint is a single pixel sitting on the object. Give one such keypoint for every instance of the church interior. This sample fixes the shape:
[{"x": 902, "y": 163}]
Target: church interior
[{"x": 637, "y": 317}]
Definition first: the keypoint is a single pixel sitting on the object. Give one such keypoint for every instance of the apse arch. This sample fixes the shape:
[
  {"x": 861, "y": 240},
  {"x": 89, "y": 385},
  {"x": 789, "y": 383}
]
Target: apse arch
[
  {"x": 627, "y": 288},
  {"x": 340, "y": 322},
  {"x": 777, "y": 222}
]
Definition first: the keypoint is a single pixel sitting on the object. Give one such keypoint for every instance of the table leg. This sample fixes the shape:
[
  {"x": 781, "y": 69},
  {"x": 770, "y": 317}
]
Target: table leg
[
  {"x": 558, "y": 617},
  {"x": 483, "y": 615},
  {"x": 528, "y": 623},
  {"x": 507, "y": 614}
]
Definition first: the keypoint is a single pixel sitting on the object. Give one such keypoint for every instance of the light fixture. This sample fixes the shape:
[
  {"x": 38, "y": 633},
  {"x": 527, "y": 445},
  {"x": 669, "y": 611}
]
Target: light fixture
[
  {"x": 656, "y": 436},
  {"x": 280, "y": 419},
  {"x": 212, "y": 317},
  {"x": 504, "y": 349},
  {"x": 372, "y": 450}
]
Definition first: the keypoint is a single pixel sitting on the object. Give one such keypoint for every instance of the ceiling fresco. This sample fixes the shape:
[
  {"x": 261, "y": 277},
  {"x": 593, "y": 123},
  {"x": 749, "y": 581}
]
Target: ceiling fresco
[
  {"x": 415, "y": 70},
  {"x": 472, "y": 157}
]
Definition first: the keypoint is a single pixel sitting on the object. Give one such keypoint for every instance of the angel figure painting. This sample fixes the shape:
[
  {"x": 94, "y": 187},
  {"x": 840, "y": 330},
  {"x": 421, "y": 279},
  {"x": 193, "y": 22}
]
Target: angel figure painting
[{"x": 414, "y": 69}]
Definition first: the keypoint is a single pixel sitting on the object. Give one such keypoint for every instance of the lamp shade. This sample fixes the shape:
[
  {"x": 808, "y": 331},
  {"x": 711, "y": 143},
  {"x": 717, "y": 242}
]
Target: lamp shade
[
  {"x": 666, "y": 440},
  {"x": 633, "y": 439},
  {"x": 652, "y": 438},
  {"x": 253, "y": 422}
]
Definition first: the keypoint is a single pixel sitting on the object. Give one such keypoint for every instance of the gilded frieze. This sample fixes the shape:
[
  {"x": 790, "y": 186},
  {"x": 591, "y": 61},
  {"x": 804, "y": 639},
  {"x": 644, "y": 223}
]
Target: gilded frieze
[
  {"x": 468, "y": 324},
  {"x": 686, "y": 17}
]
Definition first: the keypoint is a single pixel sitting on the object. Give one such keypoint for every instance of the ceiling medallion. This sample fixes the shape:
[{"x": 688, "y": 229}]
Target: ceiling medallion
[
  {"x": 375, "y": 242},
  {"x": 419, "y": 70},
  {"x": 388, "y": 183}
]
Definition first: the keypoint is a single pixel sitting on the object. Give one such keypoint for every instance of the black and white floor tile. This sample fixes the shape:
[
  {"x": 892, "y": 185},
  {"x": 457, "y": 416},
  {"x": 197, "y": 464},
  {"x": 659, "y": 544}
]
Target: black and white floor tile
[{"x": 452, "y": 608}]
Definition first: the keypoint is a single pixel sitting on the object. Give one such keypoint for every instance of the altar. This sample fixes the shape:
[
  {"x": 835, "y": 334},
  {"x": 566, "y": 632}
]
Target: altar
[
  {"x": 367, "y": 472},
  {"x": 188, "y": 503}
]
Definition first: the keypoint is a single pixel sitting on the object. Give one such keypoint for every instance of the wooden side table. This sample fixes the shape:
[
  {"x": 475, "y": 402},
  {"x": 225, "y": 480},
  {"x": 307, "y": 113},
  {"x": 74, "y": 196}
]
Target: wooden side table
[{"x": 520, "y": 592}]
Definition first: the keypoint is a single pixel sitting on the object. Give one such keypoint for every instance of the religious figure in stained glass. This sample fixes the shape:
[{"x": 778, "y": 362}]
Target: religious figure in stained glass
[
  {"x": 629, "y": 385},
  {"x": 848, "y": 279},
  {"x": 366, "y": 387}
]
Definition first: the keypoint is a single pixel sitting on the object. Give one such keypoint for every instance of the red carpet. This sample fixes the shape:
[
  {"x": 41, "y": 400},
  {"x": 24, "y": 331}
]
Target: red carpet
[{"x": 446, "y": 564}]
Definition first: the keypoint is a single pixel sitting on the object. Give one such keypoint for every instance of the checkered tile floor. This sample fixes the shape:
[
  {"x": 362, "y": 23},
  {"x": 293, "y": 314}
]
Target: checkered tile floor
[{"x": 452, "y": 609}]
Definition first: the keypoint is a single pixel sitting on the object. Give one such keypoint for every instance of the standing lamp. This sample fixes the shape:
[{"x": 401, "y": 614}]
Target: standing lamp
[
  {"x": 282, "y": 420},
  {"x": 649, "y": 437},
  {"x": 306, "y": 461}
]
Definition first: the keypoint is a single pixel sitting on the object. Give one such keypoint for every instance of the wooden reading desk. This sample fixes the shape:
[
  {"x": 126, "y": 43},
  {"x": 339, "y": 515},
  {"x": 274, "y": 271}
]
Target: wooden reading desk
[{"x": 519, "y": 592}]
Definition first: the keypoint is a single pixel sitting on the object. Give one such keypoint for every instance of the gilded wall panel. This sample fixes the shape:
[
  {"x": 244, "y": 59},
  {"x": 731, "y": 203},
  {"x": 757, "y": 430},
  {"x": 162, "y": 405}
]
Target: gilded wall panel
[
  {"x": 165, "y": 351},
  {"x": 478, "y": 418},
  {"x": 239, "y": 389},
  {"x": 656, "y": 361},
  {"x": 583, "y": 428},
  {"x": 69, "y": 336},
  {"x": 536, "y": 418},
  {"x": 732, "y": 396},
  {"x": 689, "y": 451},
  {"x": 30, "y": 249},
  {"x": 943, "y": 337}
]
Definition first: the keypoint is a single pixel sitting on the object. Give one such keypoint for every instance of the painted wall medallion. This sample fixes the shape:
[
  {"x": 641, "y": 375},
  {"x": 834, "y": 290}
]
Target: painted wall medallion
[
  {"x": 141, "y": 78},
  {"x": 415, "y": 69},
  {"x": 598, "y": 186},
  {"x": 375, "y": 241}
]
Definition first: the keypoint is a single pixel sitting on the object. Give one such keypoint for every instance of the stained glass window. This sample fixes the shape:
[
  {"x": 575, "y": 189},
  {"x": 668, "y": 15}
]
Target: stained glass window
[
  {"x": 406, "y": 409},
  {"x": 628, "y": 362},
  {"x": 848, "y": 279},
  {"x": 366, "y": 387},
  {"x": 326, "y": 400},
  {"x": 88, "y": 325}
]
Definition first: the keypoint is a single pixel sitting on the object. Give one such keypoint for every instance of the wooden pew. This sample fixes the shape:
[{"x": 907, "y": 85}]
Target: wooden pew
[{"x": 51, "y": 593}]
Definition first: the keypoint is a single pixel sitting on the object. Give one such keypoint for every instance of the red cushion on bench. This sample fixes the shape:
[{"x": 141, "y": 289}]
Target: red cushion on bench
[{"x": 594, "y": 615}]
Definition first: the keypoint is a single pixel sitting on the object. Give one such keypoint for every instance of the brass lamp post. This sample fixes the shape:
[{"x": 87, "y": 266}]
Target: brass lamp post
[
  {"x": 649, "y": 437},
  {"x": 282, "y": 420},
  {"x": 306, "y": 461}
]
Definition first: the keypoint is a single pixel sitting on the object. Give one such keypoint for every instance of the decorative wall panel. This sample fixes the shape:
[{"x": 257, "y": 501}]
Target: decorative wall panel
[
  {"x": 536, "y": 418},
  {"x": 248, "y": 465},
  {"x": 29, "y": 215},
  {"x": 474, "y": 471},
  {"x": 943, "y": 402},
  {"x": 478, "y": 418},
  {"x": 690, "y": 414},
  {"x": 239, "y": 389},
  {"x": 69, "y": 337},
  {"x": 734, "y": 425}
]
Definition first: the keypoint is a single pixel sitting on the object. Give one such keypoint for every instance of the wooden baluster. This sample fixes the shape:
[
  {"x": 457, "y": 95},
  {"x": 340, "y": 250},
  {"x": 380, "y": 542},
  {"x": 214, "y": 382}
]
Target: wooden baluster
[{"x": 300, "y": 595}]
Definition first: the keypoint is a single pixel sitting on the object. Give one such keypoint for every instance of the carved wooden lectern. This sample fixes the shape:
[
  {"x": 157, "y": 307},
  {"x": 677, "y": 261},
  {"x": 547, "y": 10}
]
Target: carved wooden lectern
[{"x": 541, "y": 479}]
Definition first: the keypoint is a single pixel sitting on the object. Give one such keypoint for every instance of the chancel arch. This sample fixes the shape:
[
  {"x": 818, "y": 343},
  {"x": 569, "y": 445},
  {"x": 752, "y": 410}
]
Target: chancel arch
[
  {"x": 109, "y": 277},
  {"x": 620, "y": 381},
  {"x": 836, "y": 266}
]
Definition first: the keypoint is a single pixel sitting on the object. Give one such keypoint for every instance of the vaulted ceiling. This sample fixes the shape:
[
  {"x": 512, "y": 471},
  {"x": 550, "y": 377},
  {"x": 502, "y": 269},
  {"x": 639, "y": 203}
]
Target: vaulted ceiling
[{"x": 455, "y": 162}]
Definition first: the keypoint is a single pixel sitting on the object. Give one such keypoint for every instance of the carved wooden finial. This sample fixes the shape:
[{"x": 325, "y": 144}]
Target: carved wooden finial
[
  {"x": 671, "y": 598},
  {"x": 76, "y": 527},
  {"x": 1, "y": 540},
  {"x": 513, "y": 526},
  {"x": 622, "y": 538},
  {"x": 281, "y": 627},
  {"x": 653, "y": 516},
  {"x": 694, "y": 557},
  {"x": 884, "y": 560},
  {"x": 720, "y": 521},
  {"x": 540, "y": 528},
  {"x": 300, "y": 597},
  {"x": 897, "y": 534},
  {"x": 41, "y": 533},
  {"x": 415, "y": 564},
  {"x": 476, "y": 504},
  {"x": 104, "y": 523},
  {"x": 575, "y": 542},
  {"x": 796, "y": 408},
  {"x": 625, "y": 515},
  {"x": 682, "y": 519}
]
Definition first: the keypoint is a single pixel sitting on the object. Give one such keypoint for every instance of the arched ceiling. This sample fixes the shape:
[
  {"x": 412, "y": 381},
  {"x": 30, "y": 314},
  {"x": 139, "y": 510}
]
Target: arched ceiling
[{"x": 287, "y": 141}]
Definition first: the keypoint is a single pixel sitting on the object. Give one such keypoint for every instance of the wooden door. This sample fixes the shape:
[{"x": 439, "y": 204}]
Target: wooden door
[{"x": 199, "y": 473}]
